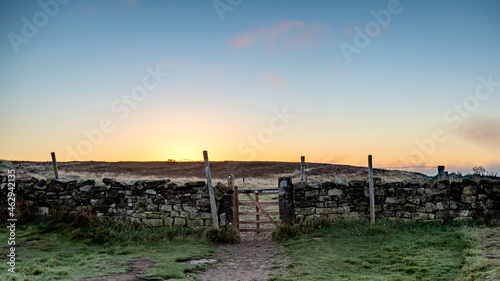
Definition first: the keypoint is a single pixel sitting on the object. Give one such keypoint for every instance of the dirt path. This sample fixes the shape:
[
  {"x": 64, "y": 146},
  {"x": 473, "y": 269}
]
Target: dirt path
[
  {"x": 491, "y": 245},
  {"x": 253, "y": 259}
]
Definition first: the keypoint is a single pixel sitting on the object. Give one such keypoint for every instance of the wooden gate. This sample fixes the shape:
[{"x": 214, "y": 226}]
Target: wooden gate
[{"x": 252, "y": 212}]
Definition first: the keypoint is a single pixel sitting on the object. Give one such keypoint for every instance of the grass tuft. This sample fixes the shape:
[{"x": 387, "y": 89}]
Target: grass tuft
[{"x": 226, "y": 235}]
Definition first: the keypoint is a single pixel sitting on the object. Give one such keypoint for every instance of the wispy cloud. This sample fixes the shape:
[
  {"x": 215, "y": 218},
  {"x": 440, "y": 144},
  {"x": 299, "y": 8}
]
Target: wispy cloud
[
  {"x": 274, "y": 80},
  {"x": 483, "y": 131},
  {"x": 281, "y": 35},
  {"x": 244, "y": 40}
]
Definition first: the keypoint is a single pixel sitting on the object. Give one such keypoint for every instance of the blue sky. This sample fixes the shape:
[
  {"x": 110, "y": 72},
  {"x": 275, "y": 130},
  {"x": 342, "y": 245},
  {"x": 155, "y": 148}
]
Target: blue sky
[{"x": 228, "y": 75}]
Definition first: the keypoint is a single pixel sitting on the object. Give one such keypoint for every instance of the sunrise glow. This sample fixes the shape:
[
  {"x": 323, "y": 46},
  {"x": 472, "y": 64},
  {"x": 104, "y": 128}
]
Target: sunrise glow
[{"x": 413, "y": 83}]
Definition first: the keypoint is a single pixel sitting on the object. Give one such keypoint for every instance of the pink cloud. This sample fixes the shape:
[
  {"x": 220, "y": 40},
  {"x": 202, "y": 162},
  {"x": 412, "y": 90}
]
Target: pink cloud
[
  {"x": 279, "y": 28},
  {"x": 275, "y": 81},
  {"x": 245, "y": 40},
  {"x": 281, "y": 35},
  {"x": 482, "y": 131}
]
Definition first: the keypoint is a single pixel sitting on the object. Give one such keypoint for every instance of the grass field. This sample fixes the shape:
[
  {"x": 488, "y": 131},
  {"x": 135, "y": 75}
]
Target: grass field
[
  {"x": 54, "y": 251},
  {"x": 386, "y": 251},
  {"x": 343, "y": 250}
]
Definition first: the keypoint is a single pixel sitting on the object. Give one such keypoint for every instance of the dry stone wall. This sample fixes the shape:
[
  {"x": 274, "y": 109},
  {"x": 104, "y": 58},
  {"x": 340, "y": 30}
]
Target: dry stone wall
[
  {"x": 443, "y": 201},
  {"x": 150, "y": 202},
  {"x": 163, "y": 203}
]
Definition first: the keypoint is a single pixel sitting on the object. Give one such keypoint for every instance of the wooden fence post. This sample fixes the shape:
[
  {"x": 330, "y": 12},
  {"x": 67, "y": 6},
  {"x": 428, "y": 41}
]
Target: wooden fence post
[
  {"x": 236, "y": 201},
  {"x": 257, "y": 210},
  {"x": 285, "y": 191},
  {"x": 54, "y": 163},
  {"x": 213, "y": 206},
  {"x": 371, "y": 190},
  {"x": 303, "y": 177}
]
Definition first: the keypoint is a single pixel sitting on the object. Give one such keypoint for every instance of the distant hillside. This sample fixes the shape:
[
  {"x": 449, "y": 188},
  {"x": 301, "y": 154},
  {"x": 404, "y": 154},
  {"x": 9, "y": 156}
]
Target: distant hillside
[{"x": 196, "y": 170}]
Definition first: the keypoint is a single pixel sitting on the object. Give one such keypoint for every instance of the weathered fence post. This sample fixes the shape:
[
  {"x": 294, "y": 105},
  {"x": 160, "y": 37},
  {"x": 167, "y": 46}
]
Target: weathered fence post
[
  {"x": 440, "y": 173},
  {"x": 54, "y": 163},
  {"x": 371, "y": 190},
  {"x": 236, "y": 201},
  {"x": 213, "y": 206},
  {"x": 257, "y": 210},
  {"x": 230, "y": 181},
  {"x": 285, "y": 190},
  {"x": 303, "y": 176}
]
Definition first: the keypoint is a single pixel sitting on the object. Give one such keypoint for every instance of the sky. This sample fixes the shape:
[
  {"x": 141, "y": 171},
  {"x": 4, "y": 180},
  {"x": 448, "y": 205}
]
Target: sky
[{"x": 413, "y": 83}]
